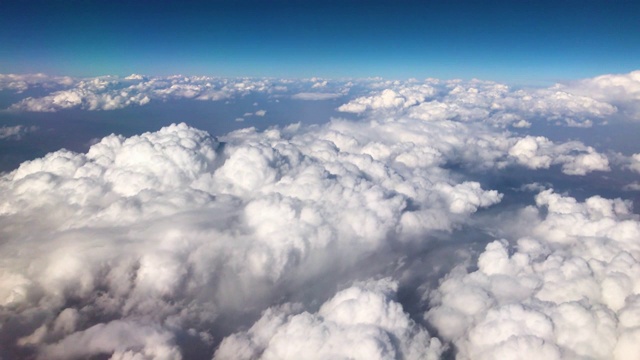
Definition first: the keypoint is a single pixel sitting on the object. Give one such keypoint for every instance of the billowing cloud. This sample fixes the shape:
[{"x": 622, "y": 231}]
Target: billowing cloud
[
  {"x": 165, "y": 231},
  {"x": 361, "y": 322},
  {"x": 568, "y": 289},
  {"x": 486, "y": 102},
  {"x": 620, "y": 90},
  {"x": 576, "y": 158},
  {"x": 337, "y": 240}
]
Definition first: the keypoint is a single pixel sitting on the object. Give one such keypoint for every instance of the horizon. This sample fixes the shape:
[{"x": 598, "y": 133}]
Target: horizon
[{"x": 506, "y": 41}]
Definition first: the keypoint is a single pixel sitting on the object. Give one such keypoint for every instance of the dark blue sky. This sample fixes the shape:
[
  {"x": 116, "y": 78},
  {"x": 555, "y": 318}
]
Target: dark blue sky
[{"x": 512, "y": 41}]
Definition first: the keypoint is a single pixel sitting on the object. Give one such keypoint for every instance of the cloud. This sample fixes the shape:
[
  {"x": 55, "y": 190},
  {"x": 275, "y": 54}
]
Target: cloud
[
  {"x": 23, "y": 82},
  {"x": 260, "y": 113},
  {"x": 568, "y": 289},
  {"x": 634, "y": 163},
  {"x": 315, "y": 96},
  {"x": 15, "y": 132},
  {"x": 365, "y": 314},
  {"x": 110, "y": 93},
  {"x": 301, "y": 241},
  {"x": 163, "y": 232},
  {"x": 484, "y": 101},
  {"x": 620, "y": 90},
  {"x": 634, "y": 186},
  {"x": 576, "y": 158}
]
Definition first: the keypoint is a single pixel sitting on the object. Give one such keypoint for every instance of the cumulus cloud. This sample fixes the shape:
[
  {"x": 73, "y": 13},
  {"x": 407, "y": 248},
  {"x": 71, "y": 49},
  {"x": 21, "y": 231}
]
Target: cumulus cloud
[
  {"x": 165, "y": 231},
  {"x": 109, "y": 93},
  {"x": 566, "y": 290},
  {"x": 620, "y": 90},
  {"x": 23, "y": 82},
  {"x": 361, "y": 322},
  {"x": 314, "y": 241},
  {"x": 484, "y": 101},
  {"x": 575, "y": 157}
]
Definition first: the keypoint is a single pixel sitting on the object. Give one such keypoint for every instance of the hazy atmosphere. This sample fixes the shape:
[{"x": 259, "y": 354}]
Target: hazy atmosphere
[{"x": 319, "y": 180}]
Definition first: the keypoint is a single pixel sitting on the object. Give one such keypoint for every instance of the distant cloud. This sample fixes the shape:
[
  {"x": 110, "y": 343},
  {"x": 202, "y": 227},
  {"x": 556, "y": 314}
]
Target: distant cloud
[
  {"x": 484, "y": 101},
  {"x": 15, "y": 132},
  {"x": 580, "y": 104},
  {"x": 620, "y": 90},
  {"x": 22, "y": 82},
  {"x": 315, "y": 96}
]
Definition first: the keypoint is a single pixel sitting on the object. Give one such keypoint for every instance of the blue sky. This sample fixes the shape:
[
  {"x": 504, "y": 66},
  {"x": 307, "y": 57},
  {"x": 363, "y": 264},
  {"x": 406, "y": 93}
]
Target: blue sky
[{"x": 511, "y": 41}]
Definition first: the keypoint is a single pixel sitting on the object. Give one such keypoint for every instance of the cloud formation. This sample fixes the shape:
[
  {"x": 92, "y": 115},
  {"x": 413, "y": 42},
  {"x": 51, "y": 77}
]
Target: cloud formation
[
  {"x": 568, "y": 289},
  {"x": 487, "y": 102},
  {"x": 301, "y": 241},
  {"x": 164, "y": 231},
  {"x": 365, "y": 314},
  {"x": 111, "y": 92}
]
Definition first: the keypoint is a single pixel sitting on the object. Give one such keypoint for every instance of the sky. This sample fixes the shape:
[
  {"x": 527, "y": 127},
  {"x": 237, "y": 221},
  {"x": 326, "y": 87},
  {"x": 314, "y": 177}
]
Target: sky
[
  {"x": 319, "y": 180},
  {"x": 510, "y": 41}
]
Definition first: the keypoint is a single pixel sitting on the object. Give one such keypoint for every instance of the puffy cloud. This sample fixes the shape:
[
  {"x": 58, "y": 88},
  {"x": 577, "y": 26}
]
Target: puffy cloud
[
  {"x": 22, "y": 82},
  {"x": 567, "y": 290},
  {"x": 390, "y": 99},
  {"x": 575, "y": 157},
  {"x": 109, "y": 93},
  {"x": 485, "y": 102},
  {"x": 361, "y": 322},
  {"x": 93, "y": 94},
  {"x": 170, "y": 243},
  {"x": 620, "y": 90},
  {"x": 161, "y": 233}
]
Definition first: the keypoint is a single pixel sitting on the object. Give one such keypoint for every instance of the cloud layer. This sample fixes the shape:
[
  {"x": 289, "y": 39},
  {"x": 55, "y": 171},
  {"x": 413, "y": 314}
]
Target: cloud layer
[{"x": 321, "y": 241}]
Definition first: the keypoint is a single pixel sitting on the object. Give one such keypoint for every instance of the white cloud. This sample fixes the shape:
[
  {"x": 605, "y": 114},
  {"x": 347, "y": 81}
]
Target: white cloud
[
  {"x": 164, "y": 231},
  {"x": 620, "y": 90},
  {"x": 109, "y": 93},
  {"x": 576, "y": 159},
  {"x": 361, "y": 322},
  {"x": 564, "y": 291},
  {"x": 22, "y": 82},
  {"x": 163, "y": 244},
  {"x": 484, "y": 101}
]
